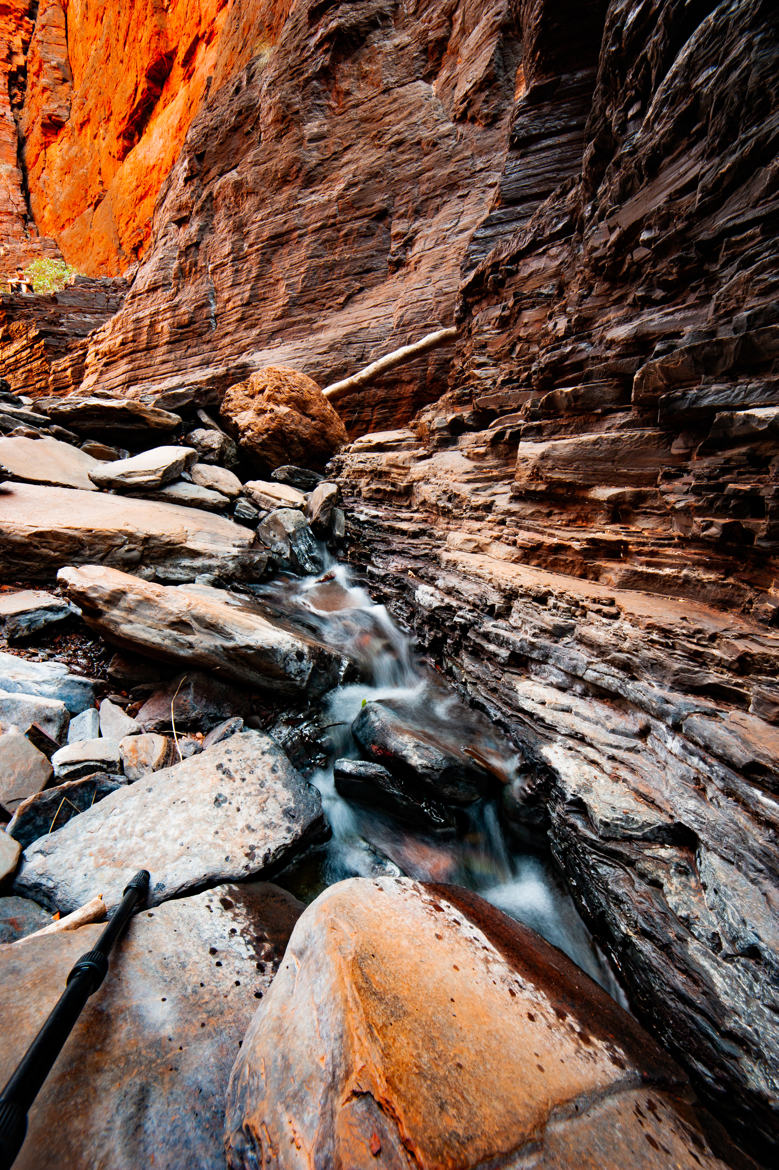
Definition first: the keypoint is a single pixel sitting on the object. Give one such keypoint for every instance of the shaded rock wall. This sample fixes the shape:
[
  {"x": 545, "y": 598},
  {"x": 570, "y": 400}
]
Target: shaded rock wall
[{"x": 583, "y": 530}]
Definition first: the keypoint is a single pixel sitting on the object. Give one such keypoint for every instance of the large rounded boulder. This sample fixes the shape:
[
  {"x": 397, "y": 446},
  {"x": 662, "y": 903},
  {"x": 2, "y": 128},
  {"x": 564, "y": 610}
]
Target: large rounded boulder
[
  {"x": 281, "y": 416},
  {"x": 415, "y": 1027}
]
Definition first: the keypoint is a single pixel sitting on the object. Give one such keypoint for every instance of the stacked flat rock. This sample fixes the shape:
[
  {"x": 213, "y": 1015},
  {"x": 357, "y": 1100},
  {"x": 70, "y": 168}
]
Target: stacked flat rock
[{"x": 145, "y": 472}]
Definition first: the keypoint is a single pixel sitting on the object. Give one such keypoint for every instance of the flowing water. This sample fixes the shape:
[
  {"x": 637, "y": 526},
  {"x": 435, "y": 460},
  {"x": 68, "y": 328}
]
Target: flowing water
[{"x": 366, "y": 842}]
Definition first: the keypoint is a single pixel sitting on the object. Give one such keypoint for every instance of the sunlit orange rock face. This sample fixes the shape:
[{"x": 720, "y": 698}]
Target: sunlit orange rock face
[{"x": 111, "y": 92}]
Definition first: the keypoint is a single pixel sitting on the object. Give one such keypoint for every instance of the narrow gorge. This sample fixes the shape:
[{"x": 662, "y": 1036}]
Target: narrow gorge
[{"x": 440, "y": 701}]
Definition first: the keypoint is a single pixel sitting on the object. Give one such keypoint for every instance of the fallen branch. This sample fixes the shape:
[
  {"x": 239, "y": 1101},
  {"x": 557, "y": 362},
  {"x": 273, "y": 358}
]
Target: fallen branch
[
  {"x": 94, "y": 911},
  {"x": 389, "y": 361}
]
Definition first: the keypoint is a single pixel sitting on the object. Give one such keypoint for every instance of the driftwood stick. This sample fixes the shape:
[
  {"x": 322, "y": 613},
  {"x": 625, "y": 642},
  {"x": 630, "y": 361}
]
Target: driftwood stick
[
  {"x": 389, "y": 361},
  {"x": 94, "y": 911}
]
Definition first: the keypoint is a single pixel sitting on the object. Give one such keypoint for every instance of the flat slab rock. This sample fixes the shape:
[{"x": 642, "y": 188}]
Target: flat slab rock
[
  {"x": 417, "y": 1026},
  {"x": 42, "y": 813},
  {"x": 18, "y": 710},
  {"x": 43, "y": 528},
  {"x": 145, "y": 472},
  {"x": 205, "y": 626},
  {"x": 156, "y": 1043},
  {"x": 47, "y": 461},
  {"x": 29, "y": 611},
  {"x": 224, "y": 815},
  {"x": 108, "y": 416}
]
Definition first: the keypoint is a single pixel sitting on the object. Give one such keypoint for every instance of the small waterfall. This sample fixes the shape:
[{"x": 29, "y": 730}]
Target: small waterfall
[{"x": 367, "y": 842}]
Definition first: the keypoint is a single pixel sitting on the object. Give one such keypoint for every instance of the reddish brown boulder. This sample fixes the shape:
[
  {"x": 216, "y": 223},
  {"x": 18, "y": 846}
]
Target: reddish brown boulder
[
  {"x": 282, "y": 416},
  {"x": 416, "y": 1026}
]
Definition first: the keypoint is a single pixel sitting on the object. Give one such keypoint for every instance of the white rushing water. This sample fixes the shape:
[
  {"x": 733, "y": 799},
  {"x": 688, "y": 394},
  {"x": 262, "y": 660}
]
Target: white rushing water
[{"x": 366, "y": 842}]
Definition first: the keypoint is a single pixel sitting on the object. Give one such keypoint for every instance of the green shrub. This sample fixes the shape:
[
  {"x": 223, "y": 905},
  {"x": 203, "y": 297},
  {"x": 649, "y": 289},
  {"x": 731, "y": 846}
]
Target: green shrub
[{"x": 48, "y": 276}]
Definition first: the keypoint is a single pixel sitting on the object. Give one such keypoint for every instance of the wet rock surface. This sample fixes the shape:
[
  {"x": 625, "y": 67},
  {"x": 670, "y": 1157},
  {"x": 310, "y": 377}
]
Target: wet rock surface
[
  {"x": 44, "y": 812},
  {"x": 227, "y": 814},
  {"x": 386, "y": 988},
  {"x": 156, "y": 1043},
  {"x": 19, "y": 917}
]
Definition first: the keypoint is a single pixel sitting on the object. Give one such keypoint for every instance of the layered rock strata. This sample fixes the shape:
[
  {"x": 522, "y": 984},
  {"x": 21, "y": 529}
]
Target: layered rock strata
[{"x": 583, "y": 531}]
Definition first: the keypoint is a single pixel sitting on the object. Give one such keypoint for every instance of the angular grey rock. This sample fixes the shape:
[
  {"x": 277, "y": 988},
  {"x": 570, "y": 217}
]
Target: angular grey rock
[
  {"x": 145, "y": 753},
  {"x": 428, "y": 768},
  {"x": 116, "y": 723},
  {"x": 48, "y": 461},
  {"x": 84, "y": 726},
  {"x": 103, "y": 452},
  {"x": 245, "y": 512},
  {"x": 145, "y": 472},
  {"x": 86, "y": 756},
  {"x": 213, "y": 446},
  {"x": 23, "y": 769},
  {"x": 223, "y": 731},
  {"x": 46, "y": 811},
  {"x": 268, "y": 495},
  {"x": 109, "y": 416},
  {"x": 20, "y": 917},
  {"x": 190, "y": 495},
  {"x": 29, "y": 611},
  {"x": 10, "y": 852},
  {"x": 299, "y": 477},
  {"x": 18, "y": 710},
  {"x": 208, "y": 627},
  {"x": 288, "y": 536},
  {"x": 183, "y": 987},
  {"x": 217, "y": 479},
  {"x": 227, "y": 814},
  {"x": 320, "y": 507},
  {"x": 50, "y": 680},
  {"x": 42, "y": 528}
]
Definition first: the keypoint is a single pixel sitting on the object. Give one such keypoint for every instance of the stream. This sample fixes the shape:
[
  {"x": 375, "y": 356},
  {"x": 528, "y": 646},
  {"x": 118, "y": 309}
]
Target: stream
[{"x": 366, "y": 841}]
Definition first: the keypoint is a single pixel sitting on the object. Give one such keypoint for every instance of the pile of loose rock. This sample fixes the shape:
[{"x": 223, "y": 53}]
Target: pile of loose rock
[{"x": 380, "y": 1042}]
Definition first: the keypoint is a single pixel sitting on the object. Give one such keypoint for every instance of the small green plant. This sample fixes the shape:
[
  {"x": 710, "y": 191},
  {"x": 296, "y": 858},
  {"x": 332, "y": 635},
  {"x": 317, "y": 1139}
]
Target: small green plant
[{"x": 48, "y": 276}]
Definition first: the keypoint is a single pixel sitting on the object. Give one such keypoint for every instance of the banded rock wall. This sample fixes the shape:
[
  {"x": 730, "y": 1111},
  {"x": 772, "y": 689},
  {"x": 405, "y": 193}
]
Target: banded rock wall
[{"x": 583, "y": 531}]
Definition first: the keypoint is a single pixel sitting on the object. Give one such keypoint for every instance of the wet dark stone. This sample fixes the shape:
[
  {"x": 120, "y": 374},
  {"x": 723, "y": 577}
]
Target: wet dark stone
[
  {"x": 20, "y": 917},
  {"x": 372, "y": 785},
  {"x": 298, "y": 477},
  {"x": 51, "y": 809}
]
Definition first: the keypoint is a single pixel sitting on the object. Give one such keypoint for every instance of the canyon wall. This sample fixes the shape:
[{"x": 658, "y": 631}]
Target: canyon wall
[{"x": 584, "y": 532}]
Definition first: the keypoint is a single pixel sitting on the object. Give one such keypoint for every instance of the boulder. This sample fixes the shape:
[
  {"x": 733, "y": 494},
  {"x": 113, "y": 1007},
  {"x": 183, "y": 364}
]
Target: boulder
[
  {"x": 224, "y": 815},
  {"x": 299, "y": 477},
  {"x": 217, "y": 479},
  {"x": 430, "y": 767},
  {"x": 145, "y": 472},
  {"x": 142, "y": 1079},
  {"x": 267, "y": 495},
  {"x": 18, "y": 710},
  {"x": 213, "y": 446},
  {"x": 49, "y": 680},
  {"x": 85, "y": 756},
  {"x": 48, "y": 461},
  {"x": 84, "y": 726},
  {"x": 142, "y": 754},
  {"x": 19, "y": 917},
  {"x": 23, "y": 769},
  {"x": 43, "y": 528},
  {"x": 114, "y": 722},
  {"x": 282, "y": 417},
  {"x": 418, "y": 1026},
  {"x": 41, "y": 814},
  {"x": 10, "y": 852},
  {"x": 287, "y": 534},
  {"x": 372, "y": 785},
  {"x": 28, "y": 612},
  {"x": 109, "y": 417},
  {"x": 207, "y": 627}
]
